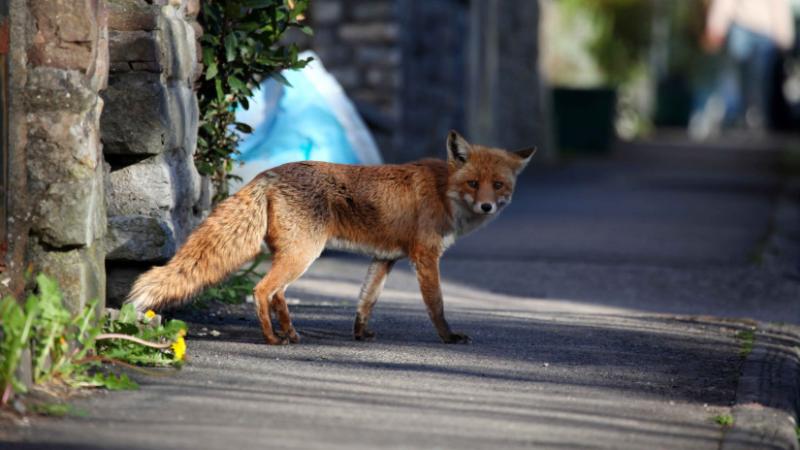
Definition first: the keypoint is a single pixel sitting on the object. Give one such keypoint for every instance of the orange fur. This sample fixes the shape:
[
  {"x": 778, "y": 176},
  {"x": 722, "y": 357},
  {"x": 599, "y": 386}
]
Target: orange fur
[{"x": 412, "y": 210}]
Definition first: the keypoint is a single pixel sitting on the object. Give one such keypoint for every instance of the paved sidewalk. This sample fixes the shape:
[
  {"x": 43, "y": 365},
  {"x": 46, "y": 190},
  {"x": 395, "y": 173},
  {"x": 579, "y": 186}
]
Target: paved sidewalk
[{"x": 604, "y": 308}]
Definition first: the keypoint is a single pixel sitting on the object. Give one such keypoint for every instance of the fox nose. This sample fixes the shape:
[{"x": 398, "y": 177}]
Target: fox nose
[{"x": 486, "y": 207}]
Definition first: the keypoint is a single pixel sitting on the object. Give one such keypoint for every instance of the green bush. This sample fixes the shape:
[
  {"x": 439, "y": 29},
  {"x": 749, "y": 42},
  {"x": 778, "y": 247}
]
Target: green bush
[
  {"x": 622, "y": 35},
  {"x": 241, "y": 47}
]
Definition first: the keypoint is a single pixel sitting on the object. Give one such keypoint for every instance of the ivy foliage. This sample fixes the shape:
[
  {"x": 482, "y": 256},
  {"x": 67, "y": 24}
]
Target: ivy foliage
[{"x": 242, "y": 45}]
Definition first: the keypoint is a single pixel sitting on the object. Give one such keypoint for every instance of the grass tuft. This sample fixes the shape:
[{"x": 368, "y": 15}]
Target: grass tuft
[
  {"x": 724, "y": 420},
  {"x": 747, "y": 339}
]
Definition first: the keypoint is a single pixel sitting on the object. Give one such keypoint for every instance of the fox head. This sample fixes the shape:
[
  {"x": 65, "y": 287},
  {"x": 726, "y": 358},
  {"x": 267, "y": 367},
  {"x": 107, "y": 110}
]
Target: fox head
[{"x": 483, "y": 178}]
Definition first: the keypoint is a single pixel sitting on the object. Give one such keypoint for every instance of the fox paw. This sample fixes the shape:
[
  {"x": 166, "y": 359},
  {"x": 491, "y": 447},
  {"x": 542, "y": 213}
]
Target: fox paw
[
  {"x": 360, "y": 330},
  {"x": 457, "y": 338},
  {"x": 364, "y": 334},
  {"x": 275, "y": 340}
]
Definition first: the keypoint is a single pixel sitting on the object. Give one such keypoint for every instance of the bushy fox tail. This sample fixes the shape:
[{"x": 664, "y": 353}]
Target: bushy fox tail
[{"x": 228, "y": 238}]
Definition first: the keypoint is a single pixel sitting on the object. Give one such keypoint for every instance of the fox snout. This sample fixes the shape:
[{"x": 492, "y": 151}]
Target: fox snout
[
  {"x": 489, "y": 207},
  {"x": 485, "y": 202}
]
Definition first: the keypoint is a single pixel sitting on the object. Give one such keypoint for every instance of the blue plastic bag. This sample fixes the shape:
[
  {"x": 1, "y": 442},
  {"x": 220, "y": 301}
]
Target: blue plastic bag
[{"x": 310, "y": 120}]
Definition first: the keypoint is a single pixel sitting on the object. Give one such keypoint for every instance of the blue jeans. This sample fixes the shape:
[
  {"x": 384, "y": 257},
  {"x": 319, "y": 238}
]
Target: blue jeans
[{"x": 747, "y": 81}]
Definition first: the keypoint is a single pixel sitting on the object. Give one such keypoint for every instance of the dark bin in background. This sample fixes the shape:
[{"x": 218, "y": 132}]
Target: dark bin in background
[{"x": 584, "y": 119}]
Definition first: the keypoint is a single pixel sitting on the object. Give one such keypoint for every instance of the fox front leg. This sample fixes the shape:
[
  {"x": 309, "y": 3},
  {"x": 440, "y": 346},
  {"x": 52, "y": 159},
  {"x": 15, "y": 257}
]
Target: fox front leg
[
  {"x": 427, "y": 266},
  {"x": 370, "y": 290}
]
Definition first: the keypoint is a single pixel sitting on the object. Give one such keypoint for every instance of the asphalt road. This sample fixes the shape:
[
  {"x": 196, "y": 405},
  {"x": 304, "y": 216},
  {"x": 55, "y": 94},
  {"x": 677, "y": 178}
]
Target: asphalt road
[{"x": 603, "y": 308}]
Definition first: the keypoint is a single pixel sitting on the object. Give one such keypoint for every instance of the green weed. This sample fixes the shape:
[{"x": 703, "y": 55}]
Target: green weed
[
  {"x": 237, "y": 287},
  {"x": 56, "y": 409},
  {"x": 746, "y": 339},
  {"x": 724, "y": 420},
  {"x": 71, "y": 350}
]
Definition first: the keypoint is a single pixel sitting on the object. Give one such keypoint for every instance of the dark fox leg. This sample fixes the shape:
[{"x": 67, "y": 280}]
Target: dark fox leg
[
  {"x": 282, "y": 311},
  {"x": 427, "y": 266},
  {"x": 370, "y": 290}
]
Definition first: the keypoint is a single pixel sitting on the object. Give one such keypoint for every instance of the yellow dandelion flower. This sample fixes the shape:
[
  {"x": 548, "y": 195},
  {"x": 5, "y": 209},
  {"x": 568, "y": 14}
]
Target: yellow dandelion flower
[
  {"x": 150, "y": 314},
  {"x": 182, "y": 332},
  {"x": 179, "y": 348}
]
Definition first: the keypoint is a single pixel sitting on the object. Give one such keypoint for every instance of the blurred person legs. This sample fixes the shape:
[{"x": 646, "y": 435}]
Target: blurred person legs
[{"x": 755, "y": 55}]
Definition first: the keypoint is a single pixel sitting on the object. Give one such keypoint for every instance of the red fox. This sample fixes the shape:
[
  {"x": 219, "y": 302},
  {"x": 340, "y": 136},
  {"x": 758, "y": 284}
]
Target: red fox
[{"x": 413, "y": 210}]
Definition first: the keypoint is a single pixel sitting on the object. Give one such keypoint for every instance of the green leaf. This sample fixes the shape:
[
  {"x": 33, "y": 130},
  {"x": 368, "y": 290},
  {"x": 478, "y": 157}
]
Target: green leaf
[
  {"x": 114, "y": 382},
  {"x": 230, "y": 47},
  {"x": 277, "y": 76},
  {"x": 218, "y": 87},
  {"x": 243, "y": 127},
  {"x": 127, "y": 314},
  {"x": 211, "y": 71},
  {"x": 236, "y": 83}
]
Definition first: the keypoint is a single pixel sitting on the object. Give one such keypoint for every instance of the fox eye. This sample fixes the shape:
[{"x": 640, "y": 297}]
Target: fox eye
[
  {"x": 473, "y": 184},
  {"x": 498, "y": 184}
]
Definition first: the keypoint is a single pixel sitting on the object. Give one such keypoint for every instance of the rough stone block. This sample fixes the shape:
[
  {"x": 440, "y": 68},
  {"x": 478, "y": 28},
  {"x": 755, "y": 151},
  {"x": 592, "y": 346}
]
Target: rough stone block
[
  {"x": 51, "y": 89},
  {"x": 66, "y": 33},
  {"x": 134, "y": 120},
  {"x": 184, "y": 112},
  {"x": 141, "y": 189},
  {"x": 147, "y": 66},
  {"x": 69, "y": 214},
  {"x": 187, "y": 194},
  {"x": 62, "y": 147},
  {"x": 139, "y": 238},
  {"x": 140, "y": 46},
  {"x": 132, "y": 15},
  {"x": 80, "y": 273},
  {"x": 178, "y": 45},
  {"x": 65, "y": 177},
  {"x": 99, "y": 73},
  {"x": 120, "y": 67}
]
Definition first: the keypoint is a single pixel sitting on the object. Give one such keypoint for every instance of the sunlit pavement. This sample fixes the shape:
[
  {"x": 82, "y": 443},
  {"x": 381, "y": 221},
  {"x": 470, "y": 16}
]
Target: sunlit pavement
[{"x": 603, "y": 306}]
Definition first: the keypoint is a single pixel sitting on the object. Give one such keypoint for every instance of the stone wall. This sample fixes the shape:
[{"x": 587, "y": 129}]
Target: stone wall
[
  {"x": 149, "y": 131},
  {"x": 358, "y": 42},
  {"x": 433, "y": 95},
  {"x": 418, "y": 68},
  {"x": 505, "y": 105},
  {"x": 58, "y": 64}
]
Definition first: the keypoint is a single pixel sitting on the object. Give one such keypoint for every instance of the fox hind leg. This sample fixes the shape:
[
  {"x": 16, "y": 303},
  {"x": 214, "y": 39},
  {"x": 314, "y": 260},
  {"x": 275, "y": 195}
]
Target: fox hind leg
[
  {"x": 370, "y": 290},
  {"x": 281, "y": 309},
  {"x": 286, "y": 268}
]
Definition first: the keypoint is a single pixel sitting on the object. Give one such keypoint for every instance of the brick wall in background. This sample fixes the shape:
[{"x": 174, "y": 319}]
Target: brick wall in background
[
  {"x": 417, "y": 68},
  {"x": 433, "y": 95},
  {"x": 358, "y": 41}
]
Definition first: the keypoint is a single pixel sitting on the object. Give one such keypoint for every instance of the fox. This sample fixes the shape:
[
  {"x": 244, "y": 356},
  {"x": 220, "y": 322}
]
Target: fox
[{"x": 414, "y": 210}]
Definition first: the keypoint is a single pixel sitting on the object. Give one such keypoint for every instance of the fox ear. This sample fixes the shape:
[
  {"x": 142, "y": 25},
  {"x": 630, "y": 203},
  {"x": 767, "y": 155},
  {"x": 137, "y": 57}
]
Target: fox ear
[
  {"x": 457, "y": 147},
  {"x": 525, "y": 155}
]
